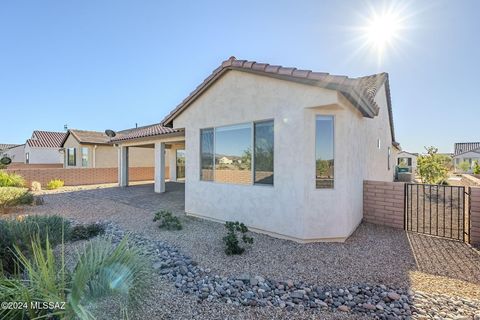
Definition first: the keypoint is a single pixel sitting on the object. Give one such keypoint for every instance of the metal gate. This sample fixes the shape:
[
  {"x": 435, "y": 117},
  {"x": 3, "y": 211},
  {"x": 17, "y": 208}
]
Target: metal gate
[{"x": 437, "y": 210}]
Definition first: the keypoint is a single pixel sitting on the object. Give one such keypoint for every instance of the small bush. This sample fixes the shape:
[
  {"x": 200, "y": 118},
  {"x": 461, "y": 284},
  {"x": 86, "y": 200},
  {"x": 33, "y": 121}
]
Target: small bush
[
  {"x": 21, "y": 231},
  {"x": 232, "y": 244},
  {"x": 167, "y": 220},
  {"x": 36, "y": 186},
  {"x": 476, "y": 168},
  {"x": 55, "y": 184},
  {"x": 12, "y": 196},
  {"x": 85, "y": 232},
  {"x": 11, "y": 180}
]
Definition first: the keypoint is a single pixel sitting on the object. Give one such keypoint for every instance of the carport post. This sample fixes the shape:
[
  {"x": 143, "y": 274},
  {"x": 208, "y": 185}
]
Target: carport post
[
  {"x": 123, "y": 166},
  {"x": 159, "y": 167},
  {"x": 173, "y": 163}
]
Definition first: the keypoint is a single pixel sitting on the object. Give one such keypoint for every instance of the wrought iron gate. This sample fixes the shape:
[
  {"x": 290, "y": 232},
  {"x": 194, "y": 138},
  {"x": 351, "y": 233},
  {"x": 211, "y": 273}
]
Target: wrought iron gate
[{"x": 437, "y": 210}]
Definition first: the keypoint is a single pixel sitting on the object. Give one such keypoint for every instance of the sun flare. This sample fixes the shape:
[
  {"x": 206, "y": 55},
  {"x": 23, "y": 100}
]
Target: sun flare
[{"x": 383, "y": 30}]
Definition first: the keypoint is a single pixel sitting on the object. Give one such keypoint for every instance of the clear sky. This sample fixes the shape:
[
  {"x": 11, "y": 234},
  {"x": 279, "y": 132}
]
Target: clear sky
[{"x": 96, "y": 64}]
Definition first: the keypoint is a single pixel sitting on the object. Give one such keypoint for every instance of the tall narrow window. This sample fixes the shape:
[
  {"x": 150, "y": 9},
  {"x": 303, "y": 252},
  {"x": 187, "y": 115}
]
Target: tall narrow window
[
  {"x": 389, "y": 156},
  {"x": 84, "y": 157},
  {"x": 71, "y": 157},
  {"x": 233, "y": 154},
  {"x": 27, "y": 158},
  {"x": 206, "y": 154},
  {"x": 324, "y": 152},
  {"x": 263, "y": 152}
]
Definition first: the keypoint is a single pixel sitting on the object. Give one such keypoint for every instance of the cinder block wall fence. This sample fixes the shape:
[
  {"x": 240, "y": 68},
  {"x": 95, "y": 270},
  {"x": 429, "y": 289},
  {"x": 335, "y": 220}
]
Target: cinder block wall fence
[
  {"x": 383, "y": 203},
  {"x": 83, "y": 176}
]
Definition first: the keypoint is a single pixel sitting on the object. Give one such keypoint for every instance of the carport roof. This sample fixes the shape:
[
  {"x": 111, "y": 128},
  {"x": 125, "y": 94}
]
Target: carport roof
[{"x": 144, "y": 132}]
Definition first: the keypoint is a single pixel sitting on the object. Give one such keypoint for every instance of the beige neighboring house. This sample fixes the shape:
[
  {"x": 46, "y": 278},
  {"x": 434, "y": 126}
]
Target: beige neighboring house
[
  {"x": 92, "y": 149},
  {"x": 225, "y": 160},
  {"x": 307, "y": 141}
]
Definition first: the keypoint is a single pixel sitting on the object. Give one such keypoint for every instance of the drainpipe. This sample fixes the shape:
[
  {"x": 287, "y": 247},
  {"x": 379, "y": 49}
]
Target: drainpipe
[{"x": 94, "y": 158}]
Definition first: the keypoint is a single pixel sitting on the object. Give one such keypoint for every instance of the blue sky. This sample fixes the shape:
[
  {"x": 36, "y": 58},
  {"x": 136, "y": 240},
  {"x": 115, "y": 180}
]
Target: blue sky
[{"x": 111, "y": 64}]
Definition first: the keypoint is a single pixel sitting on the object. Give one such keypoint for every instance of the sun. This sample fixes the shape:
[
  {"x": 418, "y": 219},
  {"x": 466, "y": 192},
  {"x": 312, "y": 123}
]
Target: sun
[{"x": 383, "y": 30}]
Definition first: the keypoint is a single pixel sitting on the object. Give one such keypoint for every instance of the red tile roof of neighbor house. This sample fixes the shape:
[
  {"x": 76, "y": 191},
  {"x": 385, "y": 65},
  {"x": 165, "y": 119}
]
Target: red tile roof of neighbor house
[
  {"x": 46, "y": 139},
  {"x": 87, "y": 137},
  {"x": 144, "y": 132}
]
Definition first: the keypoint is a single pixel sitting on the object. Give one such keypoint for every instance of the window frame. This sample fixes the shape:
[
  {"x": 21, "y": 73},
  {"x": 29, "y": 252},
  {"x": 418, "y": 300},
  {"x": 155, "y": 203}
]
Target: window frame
[
  {"x": 88, "y": 156},
  {"x": 74, "y": 157},
  {"x": 252, "y": 132},
  {"x": 334, "y": 119},
  {"x": 389, "y": 157}
]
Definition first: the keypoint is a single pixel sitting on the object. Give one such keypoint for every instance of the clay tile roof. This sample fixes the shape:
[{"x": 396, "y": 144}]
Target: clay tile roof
[
  {"x": 46, "y": 139},
  {"x": 144, "y": 132},
  {"x": 88, "y": 137},
  {"x": 359, "y": 91},
  {"x": 464, "y": 147}
]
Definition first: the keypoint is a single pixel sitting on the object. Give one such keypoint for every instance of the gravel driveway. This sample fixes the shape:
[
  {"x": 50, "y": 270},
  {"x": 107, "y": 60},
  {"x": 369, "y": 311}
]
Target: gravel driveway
[{"x": 372, "y": 255}]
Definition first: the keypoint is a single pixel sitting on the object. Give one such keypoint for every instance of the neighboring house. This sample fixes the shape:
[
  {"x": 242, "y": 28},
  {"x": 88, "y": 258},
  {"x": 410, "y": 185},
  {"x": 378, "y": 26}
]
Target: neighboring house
[
  {"x": 14, "y": 152},
  {"x": 225, "y": 160},
  {"x": 45, "y": 148},
  {"x": 307, "y": 141},
  {"x": 407, "y": 159},
  {"x": 92, "y": 149},
  {"x": 466, "y": 152}
]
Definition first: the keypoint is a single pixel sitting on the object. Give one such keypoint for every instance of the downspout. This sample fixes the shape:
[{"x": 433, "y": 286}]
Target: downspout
[{"x": 93, "y": 155}]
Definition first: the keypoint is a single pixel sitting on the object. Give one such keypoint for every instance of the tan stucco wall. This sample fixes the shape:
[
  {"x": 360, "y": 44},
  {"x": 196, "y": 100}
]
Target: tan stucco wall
[
  {"x": 106, "y": 156},
  {"x": 292, "y": 207}
]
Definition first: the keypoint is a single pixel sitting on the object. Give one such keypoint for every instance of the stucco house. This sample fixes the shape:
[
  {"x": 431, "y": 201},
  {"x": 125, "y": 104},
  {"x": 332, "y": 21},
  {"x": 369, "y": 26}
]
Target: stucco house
[
  {"x": 44, "y": 148},
  {"x": 92, "y": 149},
  {"x": 408, "y": 160},
  {"x": 16, "y": 152},
  {"x": 466, "y": 152},
  {"x": 306, "y": 140}
]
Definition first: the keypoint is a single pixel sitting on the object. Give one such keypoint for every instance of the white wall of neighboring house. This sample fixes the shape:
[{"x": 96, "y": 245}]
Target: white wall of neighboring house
[
  {"x": 17, "y": 154},
  {"x": 471, "y": 157},
  {"x": 405, "y": 156},
  {"x": 43, "y": 155},
  {"x": 293, "y": 207}
]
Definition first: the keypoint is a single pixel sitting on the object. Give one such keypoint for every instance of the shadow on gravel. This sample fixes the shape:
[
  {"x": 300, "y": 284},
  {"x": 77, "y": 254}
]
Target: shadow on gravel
[{"x": 445, "y": 257}]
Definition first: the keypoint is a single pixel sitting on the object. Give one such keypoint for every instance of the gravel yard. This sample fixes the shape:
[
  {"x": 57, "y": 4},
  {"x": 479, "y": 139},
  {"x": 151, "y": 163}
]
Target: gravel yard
[{"x": 372, "y": 255}]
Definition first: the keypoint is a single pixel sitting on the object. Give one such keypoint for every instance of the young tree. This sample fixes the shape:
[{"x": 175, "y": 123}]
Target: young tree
[
  {"x": 464, "y": 166},
  {"x": 431, "y": 167},
  {"x": 476, "y": 168}
]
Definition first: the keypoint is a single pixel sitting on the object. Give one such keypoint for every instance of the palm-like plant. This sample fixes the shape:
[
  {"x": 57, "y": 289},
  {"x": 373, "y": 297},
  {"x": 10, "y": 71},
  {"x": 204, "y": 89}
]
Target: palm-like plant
[{"x": 102, "y": 270}]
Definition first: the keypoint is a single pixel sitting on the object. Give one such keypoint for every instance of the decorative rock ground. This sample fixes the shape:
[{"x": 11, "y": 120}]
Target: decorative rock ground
[{"x": 376, "y": 301}]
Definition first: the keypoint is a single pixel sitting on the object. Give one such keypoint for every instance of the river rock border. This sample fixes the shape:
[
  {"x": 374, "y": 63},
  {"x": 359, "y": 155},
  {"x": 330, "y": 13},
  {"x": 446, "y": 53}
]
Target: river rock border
[{"x": 377, "y": 301}]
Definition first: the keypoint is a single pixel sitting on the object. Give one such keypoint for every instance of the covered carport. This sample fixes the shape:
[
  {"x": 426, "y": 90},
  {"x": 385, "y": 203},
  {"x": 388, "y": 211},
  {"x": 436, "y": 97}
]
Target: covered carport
[{"x": 161, "y": 139}]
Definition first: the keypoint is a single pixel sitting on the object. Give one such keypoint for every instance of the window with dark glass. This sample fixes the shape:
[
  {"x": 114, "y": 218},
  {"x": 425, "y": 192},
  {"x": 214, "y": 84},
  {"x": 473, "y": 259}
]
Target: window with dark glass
[
  {"x": 71, "y": 157},
  {"x": 233, "y": 154},
  {"x": 206, "y": 154},
  {"x": 324, "y": 152},
  {"x": 389, "y": 157},
  {"x": 263, "y": 152}
]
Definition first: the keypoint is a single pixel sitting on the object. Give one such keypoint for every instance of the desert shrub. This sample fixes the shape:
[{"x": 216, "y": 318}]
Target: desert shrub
[
  {"x": 36, "y": 186},
  {"x": 20, "y": 232},
  {"x": 476, "y": 168},
  {"x": 464, "y": 166},
  {"x": 167, "y": 220},
  {"x": 11, "y": 179},
  {"x": 95, "y": 277},
  {"x": 85, "y": 232},
  {"x": 13, "y": 196},
  {"x": 232, "y": 244},
  {"x": 432, "y": 167},
  {"x": 55, "y": 184}
]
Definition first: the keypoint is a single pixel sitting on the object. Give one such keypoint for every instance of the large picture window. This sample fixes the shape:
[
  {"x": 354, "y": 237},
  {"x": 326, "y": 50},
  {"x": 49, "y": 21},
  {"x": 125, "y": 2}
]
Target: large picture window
[
  {"x": 231, "y": 155},
  {"x": 71, "y": 157},
  {"x": 206, "y": 154},
  {"x": 324, "y": 152},
  {"x": 263, "y": 155}
]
